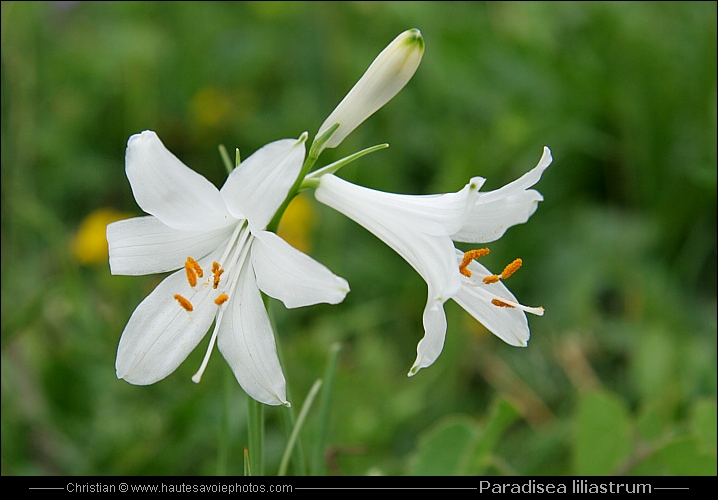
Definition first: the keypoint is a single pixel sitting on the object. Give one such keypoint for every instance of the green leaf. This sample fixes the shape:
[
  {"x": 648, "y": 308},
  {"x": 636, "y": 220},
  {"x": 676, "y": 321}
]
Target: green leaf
[
  {"x": 445, "y": 448},
  {"x": 684, "y": 457},
  {"x": 502, "y": 415},
  {"x": 654, "y": 366},
  {"x": 653, "y": 422},
  {"x": 603, "y": 434},
  {"x": 704, "y": 423}
]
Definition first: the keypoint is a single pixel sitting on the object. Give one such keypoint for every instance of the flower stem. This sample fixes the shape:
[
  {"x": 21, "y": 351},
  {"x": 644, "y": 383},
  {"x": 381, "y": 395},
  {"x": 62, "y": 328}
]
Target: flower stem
[
  {"x": 223, "y": 445},
  {"x": 225, "y": 158},
  {"x": 314, "y": 151},
  {"x": 312, "y": 180},
  {"x": 255, "y": 427},
  {"x": 318, "y": 465},
  {"x": 295, "y": 432}
]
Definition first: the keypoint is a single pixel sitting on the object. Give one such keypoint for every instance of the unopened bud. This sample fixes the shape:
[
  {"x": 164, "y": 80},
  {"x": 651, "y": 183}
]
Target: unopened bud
[{"x": 386, "y": 76}]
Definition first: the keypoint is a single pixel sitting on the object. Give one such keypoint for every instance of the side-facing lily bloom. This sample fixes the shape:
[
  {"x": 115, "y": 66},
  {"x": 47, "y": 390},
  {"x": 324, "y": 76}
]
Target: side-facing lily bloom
[
  {"x": 217, "y": 240},
  {"x": 422, "y": 230}
]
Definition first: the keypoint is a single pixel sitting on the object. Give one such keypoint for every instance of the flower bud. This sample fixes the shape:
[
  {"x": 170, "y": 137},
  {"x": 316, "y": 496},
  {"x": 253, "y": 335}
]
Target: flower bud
[{"x": 386, "y": 76}]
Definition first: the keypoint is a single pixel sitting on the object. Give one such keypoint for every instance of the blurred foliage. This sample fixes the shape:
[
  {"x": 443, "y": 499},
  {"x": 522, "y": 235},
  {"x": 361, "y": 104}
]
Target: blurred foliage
[{"x": 620, "y": 375}]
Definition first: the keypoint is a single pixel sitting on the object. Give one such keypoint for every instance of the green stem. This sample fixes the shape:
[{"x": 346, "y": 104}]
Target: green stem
[
  {"x": 225, "y": 158},
  {"x": 314, "y": 151},
  {"x": 255, "y": 427},
  {"x": 295, "y": 432},
  {"x": 312, "y": 180},
  {"x": 247, "y": 470},
  {"x": 318, "y": 461},
  {"x": 224, "y": 438}
]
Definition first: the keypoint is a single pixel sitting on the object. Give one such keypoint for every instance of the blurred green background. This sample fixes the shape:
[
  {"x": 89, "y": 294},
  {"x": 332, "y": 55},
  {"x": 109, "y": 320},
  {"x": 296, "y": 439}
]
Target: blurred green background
[{"x": 620, "y": 374}]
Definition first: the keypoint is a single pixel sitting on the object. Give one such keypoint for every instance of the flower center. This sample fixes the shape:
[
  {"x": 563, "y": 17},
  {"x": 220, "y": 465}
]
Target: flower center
[
  {"x": 510, "y": 269},
  {"x": 194, "y": 271},
  {"x": 235, "y": 256}
]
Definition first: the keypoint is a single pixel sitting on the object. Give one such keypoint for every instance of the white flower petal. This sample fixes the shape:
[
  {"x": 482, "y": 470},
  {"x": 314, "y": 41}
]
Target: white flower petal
[
  {"x": 434, "y": 214},
  {"x": 496, "y": 211},
  {"x": 508, "y": 324},
  {"x": 257, "y": 188},
  {"x": 165, "y": 187},
  {"x": 432, "y": 344},
  {"x": 144, "y": 245},
  {"x": 416, "y": 227},
  {"x": 386, "y": 76},
  {"x": 246, "y": 341},
  {"x": 285, "y": 273},
  {"x": 161, "y": 333}
]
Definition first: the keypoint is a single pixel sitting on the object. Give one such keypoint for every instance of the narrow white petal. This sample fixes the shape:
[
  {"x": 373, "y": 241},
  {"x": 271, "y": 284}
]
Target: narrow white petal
[
  {"x": 508, "y": 324},
  {"x": 386, "y": 76},
  {"x": 161, "y": 333},
  {"x": 525, "y": 181},
  {"x": 165, "y": 187},
  {"x": 432, "y": 344},
  {"x": 285, "y": 273},
  {"x": 257, "y": 188},
  {"x": 246, "y": 341},
  {"x": 496, "y": 211},
  {"x": 144, "y": 245}
]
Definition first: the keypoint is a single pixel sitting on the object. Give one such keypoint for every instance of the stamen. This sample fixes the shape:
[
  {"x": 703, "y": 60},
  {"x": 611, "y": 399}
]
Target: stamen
[
  {"x": 186, "y": 304},
  {"x": 508, "y": 271},
  {"x": 469, "y": 257},
  {"x": 499, "y": 302},
  {"x": 217, "y": 272},
  {"x": 195, "y": 265},
  {"x": 240, "y": 250},
  {"x": 191, "y": 273},
  {"x": 199, "y": 270},
  {"x": 511, "y": 268}
]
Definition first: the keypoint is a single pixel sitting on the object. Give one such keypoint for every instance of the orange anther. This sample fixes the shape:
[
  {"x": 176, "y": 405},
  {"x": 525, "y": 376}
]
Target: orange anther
[
  {"x": 217, "y": 272},
  {"x": 490, "y": 279},
  {"x": 511, "y": 268},
  {"x": 221, "y": 299},
  {"x": 500, "y": 303},
  {"x": 191, "y": 273},
  {"x": 195, "y": 265},
  {"x": 470, "y": 256},
  {"x": 186, "y": 304}
]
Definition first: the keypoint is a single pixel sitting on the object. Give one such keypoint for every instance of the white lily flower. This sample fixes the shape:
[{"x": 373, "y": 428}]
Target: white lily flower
[
  {"x": 422, "y": 230},
  {"x": 385, "y": 77},
  {"x": 217, "y": 239}
]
